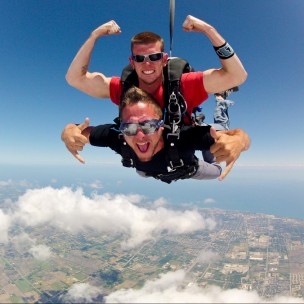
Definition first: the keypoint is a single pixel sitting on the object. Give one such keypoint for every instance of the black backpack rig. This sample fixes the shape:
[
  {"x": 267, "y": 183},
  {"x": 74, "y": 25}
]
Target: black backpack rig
[{"x": 175, "y": 116}]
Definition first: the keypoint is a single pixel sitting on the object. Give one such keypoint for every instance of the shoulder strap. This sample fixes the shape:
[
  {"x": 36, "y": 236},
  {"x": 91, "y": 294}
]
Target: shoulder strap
[
  {"x": 174, "y": 100},
  {"x": 126, "y": 160},
  {"x": 173, "y": 157},
  {"x": 175, "y": 104},
  {"x": 128, "y": 79}
]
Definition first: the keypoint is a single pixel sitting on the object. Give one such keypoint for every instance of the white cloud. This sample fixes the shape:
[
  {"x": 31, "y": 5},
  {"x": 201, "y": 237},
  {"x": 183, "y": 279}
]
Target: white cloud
[
  {"x": 208, "y": 256},
  {"x": 209, "y": 200},
  {"x": 6, "y": 183},
  {"x": 71, "y": 210},
  {"x": 159, "y": 202},
  {"x": 82, "y": 293},
  {"x": 5, "y": 221},
  {"x": 96, "y": 185},
  {"x": 170, "y": 288},
  {"x": 13, "y": 183},
  {"x": 23, "y": 242},
  {"x": 41, "y": 252}
]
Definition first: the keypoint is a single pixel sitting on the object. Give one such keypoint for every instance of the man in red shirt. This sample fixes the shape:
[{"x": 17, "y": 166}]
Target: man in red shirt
[{"x": 148, "y": 60}]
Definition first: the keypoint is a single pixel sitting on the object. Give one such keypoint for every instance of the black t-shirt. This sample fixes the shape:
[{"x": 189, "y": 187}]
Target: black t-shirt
[{"x": 192, "y": 138}]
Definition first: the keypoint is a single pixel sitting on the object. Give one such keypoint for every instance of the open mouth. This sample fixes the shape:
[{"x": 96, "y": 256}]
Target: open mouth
[{"x": 143, "y": 147}]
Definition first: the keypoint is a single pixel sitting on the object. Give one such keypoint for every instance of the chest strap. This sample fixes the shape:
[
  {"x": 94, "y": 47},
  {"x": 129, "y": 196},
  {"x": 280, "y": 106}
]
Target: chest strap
[
  {"x": 185, "y": 172},
  {"x": 126, "y": 156}
]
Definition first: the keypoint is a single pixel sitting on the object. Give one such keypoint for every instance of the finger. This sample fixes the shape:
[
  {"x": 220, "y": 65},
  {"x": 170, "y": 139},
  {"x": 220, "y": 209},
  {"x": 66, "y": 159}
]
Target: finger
[
  {"x": 187, "y": 24},
  {"x": 216, "y": 149},
  {"x": 214, "y": 134},
  {"x": 76, "y": 155},
  {"x": 115, "y": 28},
  {"x": 79, "y": 158},
  {"x": 76, "y": 144},
  {"x": 85, "y": 124},
  {"x": 226, "y": 171}
]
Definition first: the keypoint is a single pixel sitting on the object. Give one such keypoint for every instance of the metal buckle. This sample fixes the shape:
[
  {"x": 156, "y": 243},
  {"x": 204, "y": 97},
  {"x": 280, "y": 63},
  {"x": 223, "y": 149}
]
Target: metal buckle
[{"x": 181, "y": 163}]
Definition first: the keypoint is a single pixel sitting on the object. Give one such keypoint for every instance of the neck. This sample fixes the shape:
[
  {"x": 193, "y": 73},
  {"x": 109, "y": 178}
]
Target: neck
[
  {"x": 150, "y": 88},
  {"x": 160, "y": 145}
]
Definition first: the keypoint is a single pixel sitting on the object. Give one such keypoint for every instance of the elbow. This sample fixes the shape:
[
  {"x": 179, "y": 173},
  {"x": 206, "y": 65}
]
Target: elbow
[
  {"x": 70, "y": 80},
  {"x": 244, "y": 76},
  {"x": 241, "y": 78}
]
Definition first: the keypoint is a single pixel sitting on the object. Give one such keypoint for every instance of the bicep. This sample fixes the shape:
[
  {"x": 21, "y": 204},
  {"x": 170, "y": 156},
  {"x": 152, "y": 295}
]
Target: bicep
[
  {"x": 96, "y": 85},
  {"x": 215, "y": 80}
]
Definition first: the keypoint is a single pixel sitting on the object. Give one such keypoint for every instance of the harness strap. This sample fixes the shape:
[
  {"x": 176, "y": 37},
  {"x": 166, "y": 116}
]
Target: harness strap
[
  {"x": 126, "y": 160},
  {"x": 184, "y": 172},
  {"x": 128, "y": 79},
  {"x": 173, "y": 156}
]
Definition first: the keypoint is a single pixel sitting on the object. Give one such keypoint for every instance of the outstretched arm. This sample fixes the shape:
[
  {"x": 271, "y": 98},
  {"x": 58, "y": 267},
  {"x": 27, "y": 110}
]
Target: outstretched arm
[
  {"x": 76, "y": 137},
  {"x": 94, "y": 84},
  {"x": 228, "y": 146},
  {"x": 232, "y": 72}
]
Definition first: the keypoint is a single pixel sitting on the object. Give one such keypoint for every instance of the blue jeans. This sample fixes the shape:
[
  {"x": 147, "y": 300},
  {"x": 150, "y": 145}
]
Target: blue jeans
[
  {"x": 221, "y": 122},
  {"x": 220, "y": 116}
]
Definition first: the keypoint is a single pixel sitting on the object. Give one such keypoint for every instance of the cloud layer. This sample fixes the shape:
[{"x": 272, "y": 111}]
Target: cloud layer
[
  {"x": 171, "y": 288},
  {"x": 72, "y": 211}
]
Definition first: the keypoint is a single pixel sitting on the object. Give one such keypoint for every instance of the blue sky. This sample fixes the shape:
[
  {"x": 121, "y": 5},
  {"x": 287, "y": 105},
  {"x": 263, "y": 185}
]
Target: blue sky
[{"x": 39, "y": 39}]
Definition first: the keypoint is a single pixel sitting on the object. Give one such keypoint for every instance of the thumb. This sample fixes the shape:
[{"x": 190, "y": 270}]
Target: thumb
[
  {"x": 214, "y": 134},
  {"x": 85, "y": 124}
]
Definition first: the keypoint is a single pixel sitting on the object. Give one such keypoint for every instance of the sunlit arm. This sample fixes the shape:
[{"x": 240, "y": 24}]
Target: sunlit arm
[
  {"x": 94, "y": 84},
  {"x": 231, "y": 74}
]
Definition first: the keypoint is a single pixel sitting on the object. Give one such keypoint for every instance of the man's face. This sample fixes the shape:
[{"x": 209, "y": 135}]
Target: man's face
[
  {"x": 149, "y": 72},
  {"x": 144, "y": 146}
]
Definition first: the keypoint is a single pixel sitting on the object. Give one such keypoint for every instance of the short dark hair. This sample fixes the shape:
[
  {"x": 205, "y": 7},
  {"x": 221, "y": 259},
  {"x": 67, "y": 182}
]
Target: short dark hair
[
  {"x": 135, "y": 95},
  {"x": 146, "y": 38}
]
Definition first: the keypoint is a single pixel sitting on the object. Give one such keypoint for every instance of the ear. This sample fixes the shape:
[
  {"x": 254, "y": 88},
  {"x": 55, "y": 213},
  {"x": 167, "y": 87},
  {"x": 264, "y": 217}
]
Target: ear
[
  {"x": 131, "y": 62},
  {"x": 161, "y": 130}
]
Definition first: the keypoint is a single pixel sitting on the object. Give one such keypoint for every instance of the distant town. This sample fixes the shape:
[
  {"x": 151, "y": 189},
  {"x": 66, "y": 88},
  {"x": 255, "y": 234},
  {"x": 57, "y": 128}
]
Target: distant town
[{"x": 245, "y": 251}]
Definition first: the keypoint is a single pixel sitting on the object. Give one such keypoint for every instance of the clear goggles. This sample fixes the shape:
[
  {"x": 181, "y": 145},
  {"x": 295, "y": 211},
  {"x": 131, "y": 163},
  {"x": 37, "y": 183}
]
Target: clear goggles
[{"x": 147, "y": 127}]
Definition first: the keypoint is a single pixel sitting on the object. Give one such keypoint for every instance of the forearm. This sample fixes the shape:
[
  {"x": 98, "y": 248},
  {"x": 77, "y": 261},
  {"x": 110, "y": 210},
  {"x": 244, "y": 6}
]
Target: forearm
[
  {"x": 207, "y": 171},
  {"x": 232, "y": 72},
  {"x": 94, "y": 84}
]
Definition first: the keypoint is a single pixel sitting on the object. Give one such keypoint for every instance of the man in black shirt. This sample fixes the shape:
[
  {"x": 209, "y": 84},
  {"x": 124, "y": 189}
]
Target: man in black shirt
[{"x": 142, "y": 140}]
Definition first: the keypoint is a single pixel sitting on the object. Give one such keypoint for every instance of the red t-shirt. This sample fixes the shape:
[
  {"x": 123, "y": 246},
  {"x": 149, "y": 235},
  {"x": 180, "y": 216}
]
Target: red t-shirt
[{"x": 192, "y": 88}]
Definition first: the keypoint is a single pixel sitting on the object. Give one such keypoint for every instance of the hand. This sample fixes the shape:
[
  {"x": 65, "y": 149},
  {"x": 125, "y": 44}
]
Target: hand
[
  {"x": 108, "y": 28},
  {"x": 228, "y": 147},
  {"x": 192, "y": 24},
  {"x": 73, "y": 138}
]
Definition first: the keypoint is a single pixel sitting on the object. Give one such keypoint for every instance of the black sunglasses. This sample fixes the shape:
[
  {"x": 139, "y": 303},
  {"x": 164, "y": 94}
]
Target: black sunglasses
[
  {"x": 147, "y": 127},
  {"x": 152, "y": 57}
]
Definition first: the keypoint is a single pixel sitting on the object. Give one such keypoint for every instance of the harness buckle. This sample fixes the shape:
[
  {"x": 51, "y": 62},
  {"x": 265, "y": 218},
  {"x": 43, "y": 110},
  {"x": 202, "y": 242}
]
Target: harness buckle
[
  {"x": 174, "y": 166},
  {"x": 174, "y": 109},
  {"x": 127, "y": 162}
]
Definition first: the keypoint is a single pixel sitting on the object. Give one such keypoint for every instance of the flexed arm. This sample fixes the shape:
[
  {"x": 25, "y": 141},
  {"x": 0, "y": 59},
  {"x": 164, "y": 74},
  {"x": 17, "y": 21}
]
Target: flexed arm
[
  {"x": 95, "y": 84},
  {"x": 232, "y": 72}
]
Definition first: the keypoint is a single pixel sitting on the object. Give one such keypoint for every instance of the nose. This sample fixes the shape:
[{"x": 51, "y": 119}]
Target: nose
[
  {"x": 140, "y": 134},
  {"x": 147, "y": 60}
]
